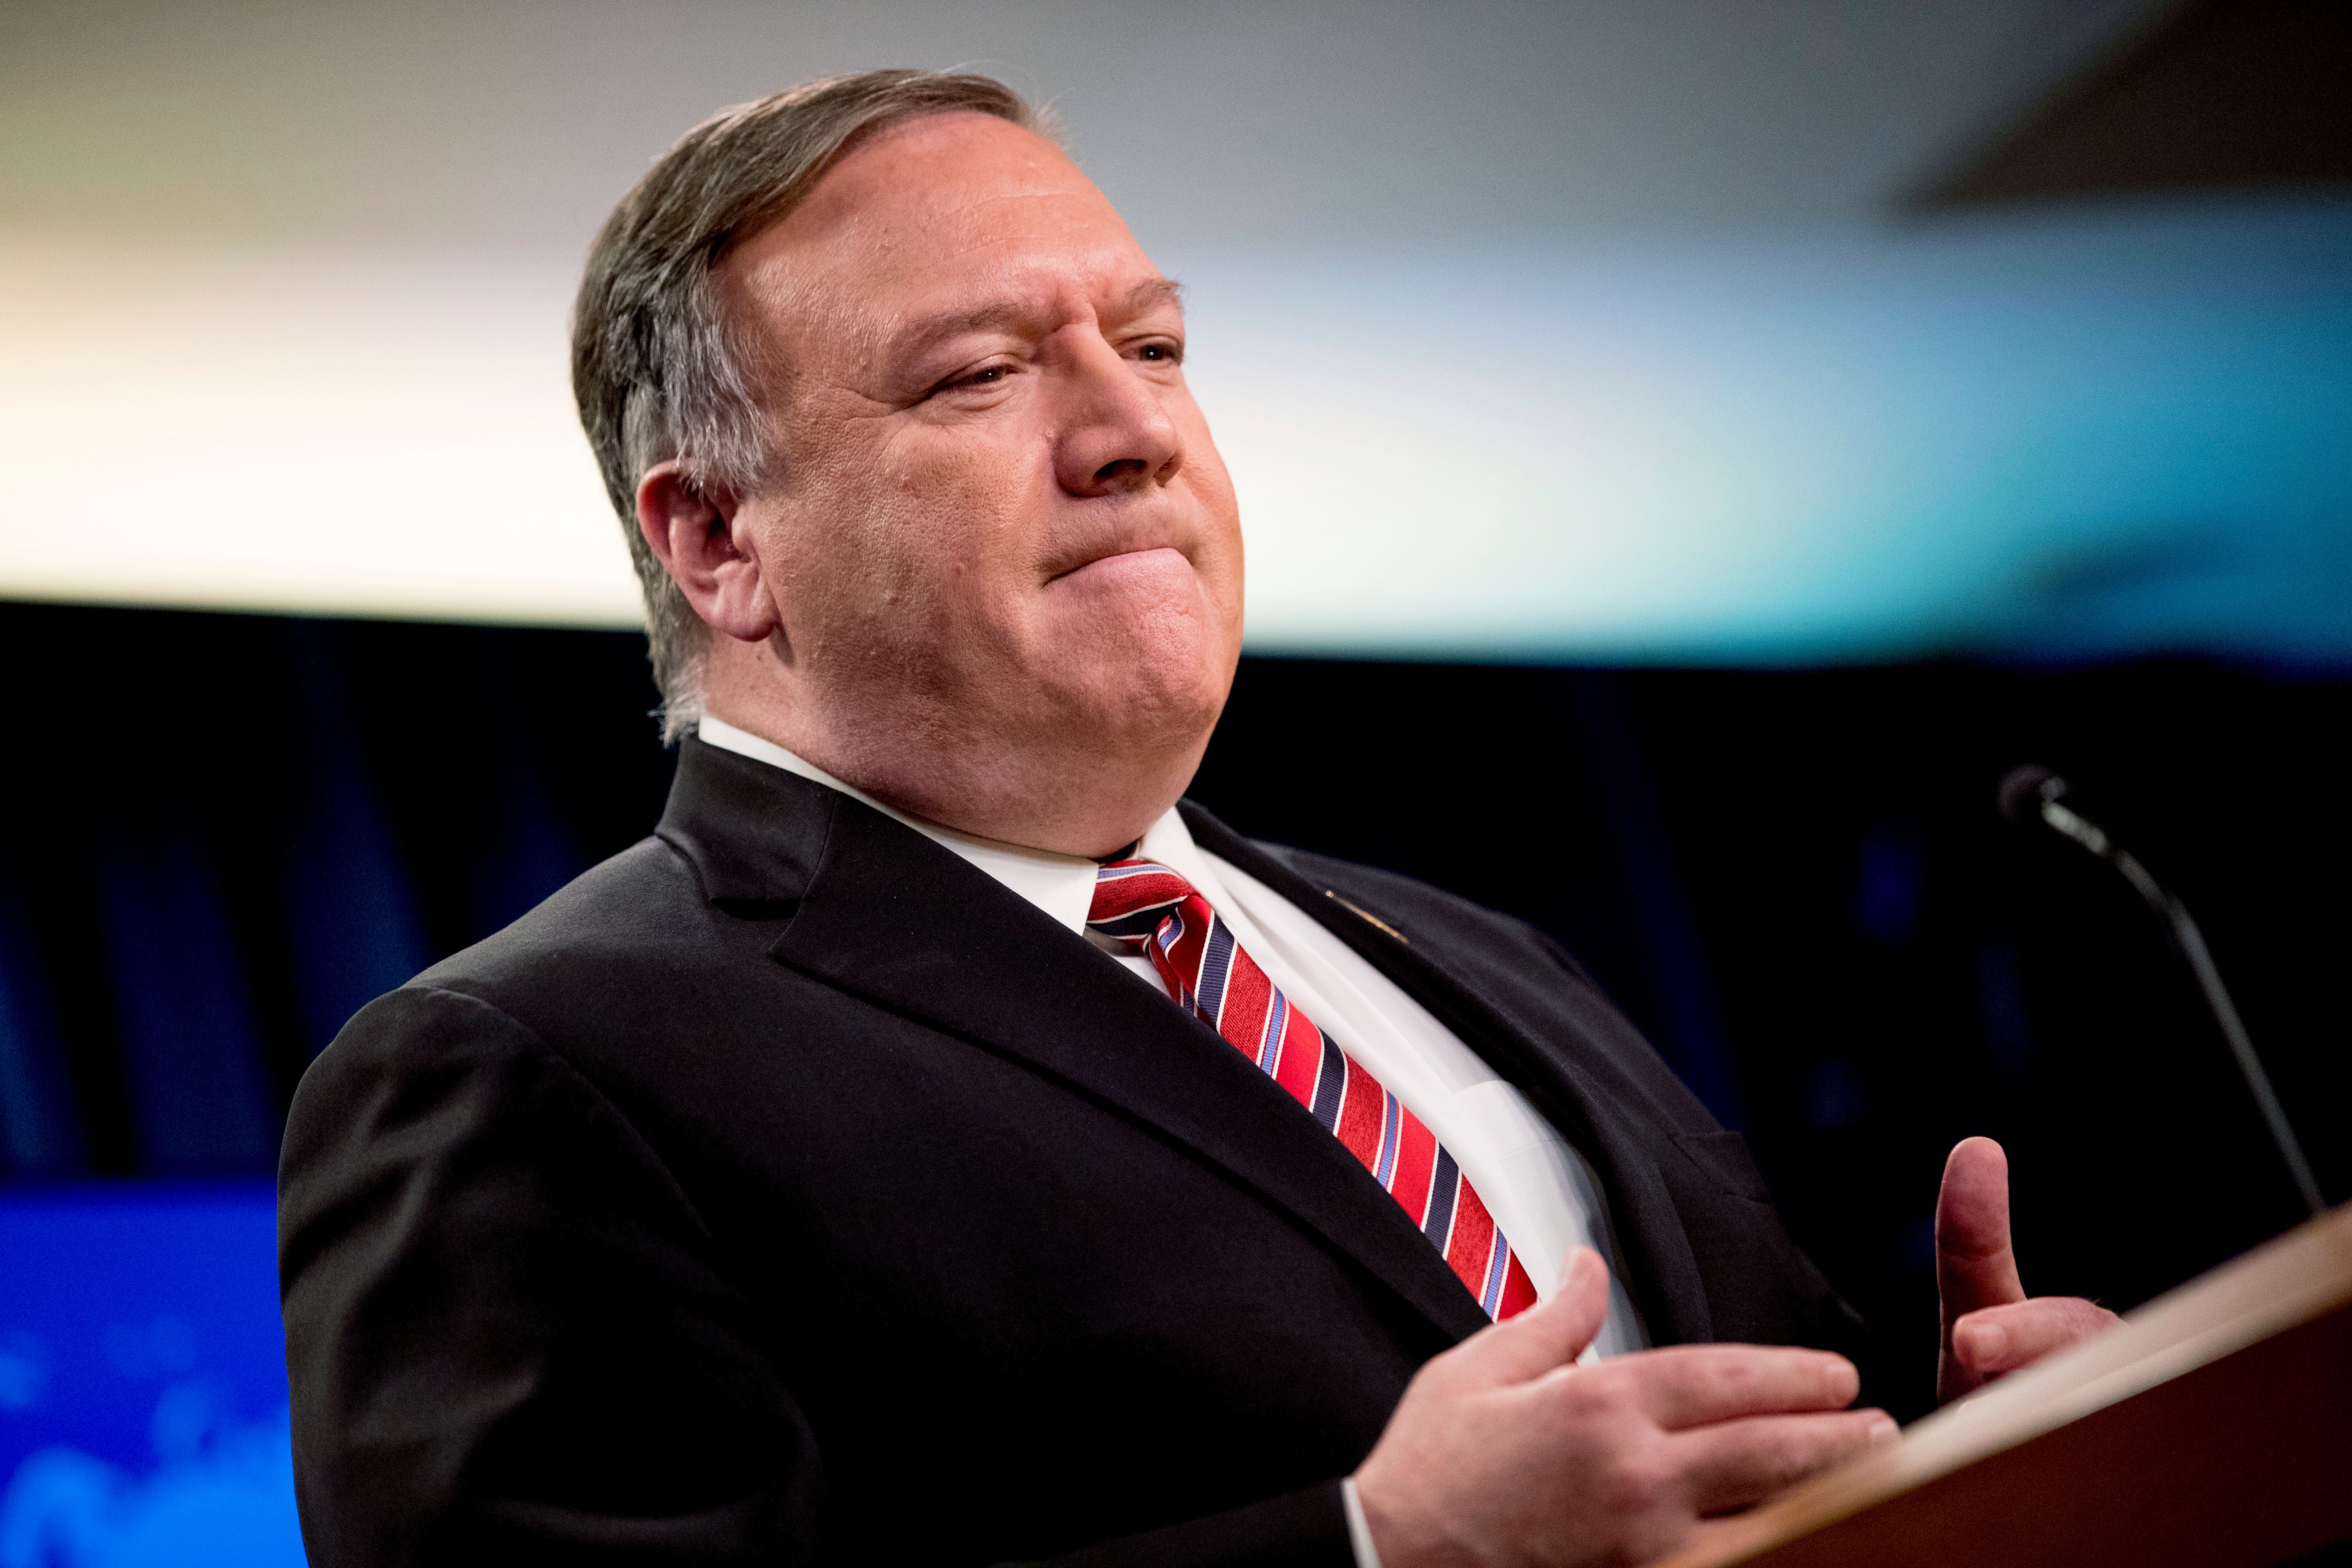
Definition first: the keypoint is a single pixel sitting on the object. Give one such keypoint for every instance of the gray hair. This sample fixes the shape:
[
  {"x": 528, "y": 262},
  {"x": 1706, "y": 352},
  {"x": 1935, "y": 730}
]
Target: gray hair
[{"x": 659, "y": 371}]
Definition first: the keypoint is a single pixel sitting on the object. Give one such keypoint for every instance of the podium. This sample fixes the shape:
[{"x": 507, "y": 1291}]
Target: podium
[{"x": 2212, "y": 1430}]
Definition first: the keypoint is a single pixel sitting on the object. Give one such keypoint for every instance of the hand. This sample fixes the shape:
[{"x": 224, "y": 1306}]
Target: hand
[
  {"x": 1505, "y": 1451},
  {"x": 1989, "y": 1325}
]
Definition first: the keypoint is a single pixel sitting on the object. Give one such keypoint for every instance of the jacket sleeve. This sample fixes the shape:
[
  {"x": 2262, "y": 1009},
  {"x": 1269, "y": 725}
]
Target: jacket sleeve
[
  {"x": 506, "y": 1333},
  {"x": 510, "y": 1336}
]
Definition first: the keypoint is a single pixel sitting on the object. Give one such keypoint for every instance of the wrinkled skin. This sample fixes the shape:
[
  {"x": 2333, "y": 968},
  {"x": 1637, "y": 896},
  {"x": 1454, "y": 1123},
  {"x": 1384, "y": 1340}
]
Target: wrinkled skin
[{"x": 997, "y": 580}]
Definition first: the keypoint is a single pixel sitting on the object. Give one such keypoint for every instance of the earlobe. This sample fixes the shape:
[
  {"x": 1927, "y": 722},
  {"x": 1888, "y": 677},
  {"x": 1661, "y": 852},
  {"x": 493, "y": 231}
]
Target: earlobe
[{"x": 699, "y": 535}]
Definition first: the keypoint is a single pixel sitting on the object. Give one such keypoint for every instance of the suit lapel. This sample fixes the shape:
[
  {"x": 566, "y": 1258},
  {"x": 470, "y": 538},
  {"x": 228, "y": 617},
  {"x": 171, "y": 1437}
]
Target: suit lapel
[
  {"x": 881, "y": 913},
  {"x": 1580, "y": 1093}
]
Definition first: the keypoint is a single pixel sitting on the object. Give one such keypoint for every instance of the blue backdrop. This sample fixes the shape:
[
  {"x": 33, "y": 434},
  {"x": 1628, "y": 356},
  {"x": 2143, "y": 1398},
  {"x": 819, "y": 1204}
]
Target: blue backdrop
[{"x": 142, "y": 1381}]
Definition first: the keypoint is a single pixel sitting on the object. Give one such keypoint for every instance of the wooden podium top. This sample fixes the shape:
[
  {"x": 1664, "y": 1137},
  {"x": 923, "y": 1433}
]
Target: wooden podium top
[{"x": 2214, "y": 1427}]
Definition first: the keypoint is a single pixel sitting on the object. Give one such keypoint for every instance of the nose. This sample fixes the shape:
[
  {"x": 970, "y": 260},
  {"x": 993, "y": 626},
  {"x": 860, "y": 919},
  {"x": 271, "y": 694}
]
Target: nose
[{"x": 1117, "y": 437}]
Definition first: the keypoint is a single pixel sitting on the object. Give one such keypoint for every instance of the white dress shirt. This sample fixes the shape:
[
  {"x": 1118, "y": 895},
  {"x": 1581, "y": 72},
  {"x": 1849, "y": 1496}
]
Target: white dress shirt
[{"x": 1541, "y": 1192}]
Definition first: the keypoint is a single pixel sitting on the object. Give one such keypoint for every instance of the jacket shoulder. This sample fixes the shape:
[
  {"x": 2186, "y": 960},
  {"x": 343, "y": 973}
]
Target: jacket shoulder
[{"x": 631, "y": 915}]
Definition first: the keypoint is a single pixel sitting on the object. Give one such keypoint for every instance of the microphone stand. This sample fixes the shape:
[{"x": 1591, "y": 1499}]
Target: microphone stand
[{"x": 2046, "y": 791}]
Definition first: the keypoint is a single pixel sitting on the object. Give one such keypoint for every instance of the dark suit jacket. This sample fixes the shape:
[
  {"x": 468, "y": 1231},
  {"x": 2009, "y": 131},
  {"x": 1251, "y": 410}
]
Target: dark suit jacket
[{"x": 787, "y": 1189}]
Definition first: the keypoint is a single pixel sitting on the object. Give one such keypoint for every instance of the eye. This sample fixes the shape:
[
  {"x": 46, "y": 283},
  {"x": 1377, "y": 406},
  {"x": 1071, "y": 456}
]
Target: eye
[
  {"x": 986, "y": 377},
  {"x": 1159, "y": 351}
]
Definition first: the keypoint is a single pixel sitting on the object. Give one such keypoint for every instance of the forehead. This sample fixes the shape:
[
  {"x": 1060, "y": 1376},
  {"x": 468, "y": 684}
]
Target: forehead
[{"x": 943, "y": 212}]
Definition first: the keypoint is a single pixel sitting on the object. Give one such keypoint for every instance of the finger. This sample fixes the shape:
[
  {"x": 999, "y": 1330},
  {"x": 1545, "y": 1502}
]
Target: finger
[
  {"x": 1692, "y": 1385},
  {"x": 1549, "y": 1334},
  {"x": 1975, "y": 1267},
  {"x": 2002, "y": 1339},
  {"x": 1735, "y": 1464}
]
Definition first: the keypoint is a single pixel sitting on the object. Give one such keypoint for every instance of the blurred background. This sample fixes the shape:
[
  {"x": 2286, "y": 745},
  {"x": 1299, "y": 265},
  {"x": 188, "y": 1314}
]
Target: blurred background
[{"x": 1690, "y": 450}]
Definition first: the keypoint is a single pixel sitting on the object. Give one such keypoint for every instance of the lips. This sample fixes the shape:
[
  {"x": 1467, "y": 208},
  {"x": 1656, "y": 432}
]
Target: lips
[
  {"x": 1108, "y": 541},
  {"x": 1118, "y": 562}
]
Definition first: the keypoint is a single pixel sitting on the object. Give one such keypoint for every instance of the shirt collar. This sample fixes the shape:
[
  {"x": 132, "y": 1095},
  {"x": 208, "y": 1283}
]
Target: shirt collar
[{"x": 1060, "y": 885}]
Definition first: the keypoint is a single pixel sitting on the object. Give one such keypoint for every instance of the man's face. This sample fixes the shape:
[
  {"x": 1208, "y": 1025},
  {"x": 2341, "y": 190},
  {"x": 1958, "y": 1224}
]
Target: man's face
[{"x": 1000, "y": 520}]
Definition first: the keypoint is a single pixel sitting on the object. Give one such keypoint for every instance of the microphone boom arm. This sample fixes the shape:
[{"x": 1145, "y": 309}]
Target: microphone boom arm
[{"x": 2191, "y": 941}]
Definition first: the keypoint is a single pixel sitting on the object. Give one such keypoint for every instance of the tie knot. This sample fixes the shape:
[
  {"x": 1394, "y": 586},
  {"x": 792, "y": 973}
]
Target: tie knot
[{"x": 1133, "y": 897}]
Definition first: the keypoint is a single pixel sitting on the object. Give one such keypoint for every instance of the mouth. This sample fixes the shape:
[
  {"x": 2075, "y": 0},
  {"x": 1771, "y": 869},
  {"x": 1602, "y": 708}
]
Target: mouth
[{"x": 1121, "y": 563}]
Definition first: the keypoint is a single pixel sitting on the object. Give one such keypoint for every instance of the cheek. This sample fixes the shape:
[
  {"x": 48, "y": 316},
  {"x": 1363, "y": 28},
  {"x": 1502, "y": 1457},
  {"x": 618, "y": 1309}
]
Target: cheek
[
  {"x": 1221, "y": 564},
  {"x": 954, "y": 518},
  {"x": 919, "y": 540},
  {"x": 1206, "y": 472}
]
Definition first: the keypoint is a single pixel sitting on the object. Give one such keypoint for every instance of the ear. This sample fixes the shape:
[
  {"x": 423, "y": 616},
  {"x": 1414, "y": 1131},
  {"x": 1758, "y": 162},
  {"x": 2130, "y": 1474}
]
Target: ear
[{"x": 700, "y": 536}]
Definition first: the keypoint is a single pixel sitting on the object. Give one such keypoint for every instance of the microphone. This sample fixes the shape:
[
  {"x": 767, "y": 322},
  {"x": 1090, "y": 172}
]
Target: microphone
[{"x": 2031, "y": 794}]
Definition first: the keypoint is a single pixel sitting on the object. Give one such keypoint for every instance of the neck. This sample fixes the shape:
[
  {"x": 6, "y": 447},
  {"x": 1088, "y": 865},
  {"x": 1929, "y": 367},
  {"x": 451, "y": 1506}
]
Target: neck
[{"x": 1087, "y": 796}]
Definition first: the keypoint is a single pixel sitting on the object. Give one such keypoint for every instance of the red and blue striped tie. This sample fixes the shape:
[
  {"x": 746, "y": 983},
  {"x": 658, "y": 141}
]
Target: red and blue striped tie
[{"x": 1150, "y": 909}]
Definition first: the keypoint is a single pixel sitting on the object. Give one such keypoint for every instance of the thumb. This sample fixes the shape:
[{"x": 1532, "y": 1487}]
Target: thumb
[
  {"x": 1547, "y": 1335},
  {"x": 1975, "y": 1266}
]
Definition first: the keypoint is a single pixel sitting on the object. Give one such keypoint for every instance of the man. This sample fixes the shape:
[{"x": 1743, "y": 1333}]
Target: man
[{"x": 936, "y": 1143}]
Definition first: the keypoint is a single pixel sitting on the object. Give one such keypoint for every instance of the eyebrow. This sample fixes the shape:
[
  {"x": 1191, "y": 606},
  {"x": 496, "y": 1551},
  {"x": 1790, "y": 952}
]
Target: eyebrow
[
  {"x": 926, "y": 329},
  {"x": 1154, "y": 292}
]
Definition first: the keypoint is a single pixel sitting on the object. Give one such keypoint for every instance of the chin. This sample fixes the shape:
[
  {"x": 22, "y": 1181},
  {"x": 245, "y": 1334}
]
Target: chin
[
  {"x": 1167, "y": 703},
  {"x": 1153, "y": 666}
]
